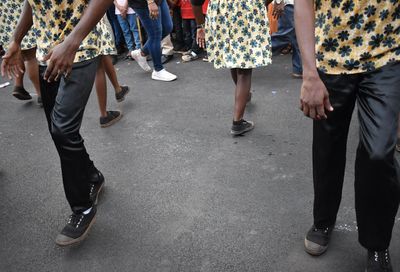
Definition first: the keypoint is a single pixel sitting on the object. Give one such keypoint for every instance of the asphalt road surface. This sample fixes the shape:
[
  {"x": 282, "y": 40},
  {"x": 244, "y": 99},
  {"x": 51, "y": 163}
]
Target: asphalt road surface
[{"x": 181, "y": 194}]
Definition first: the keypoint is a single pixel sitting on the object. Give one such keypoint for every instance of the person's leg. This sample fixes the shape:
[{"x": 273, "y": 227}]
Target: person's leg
[
  {"x": 177, "y": 18},
  {"x": 187, "y": 37},
  {"x": 193, "y": 30},
  {"x": 64, "y": 104},
  {"x": 32, "y": 68},
  {"x": 117, "y": 31},
  {"x": 329, "y": 159},
  {"x": 398, "y": 137},
  {"x": 120, "y": 90},
  {"x": 377, "y": 188},
  {"x": 234, "y": 75},
  {"x": 107, "y": 118},
  {"x": 101, "y": 88},
  {"x": 166, "y": 20},
  {"x": 242, "y": 92},
  {"x": 280, "y": 38},
  {"x": 126, "y": 30},
  {"x": 153, "y": 44},
  {"x": 132, "y": 18},
  {"x": 111, "y": 73},
  {"x": 291, "y": 35}
]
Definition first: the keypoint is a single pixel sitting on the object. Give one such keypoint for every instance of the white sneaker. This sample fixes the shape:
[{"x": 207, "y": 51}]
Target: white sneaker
[
  {"x": 163, "y": 75},
  {"x": 141, "y": 60}
]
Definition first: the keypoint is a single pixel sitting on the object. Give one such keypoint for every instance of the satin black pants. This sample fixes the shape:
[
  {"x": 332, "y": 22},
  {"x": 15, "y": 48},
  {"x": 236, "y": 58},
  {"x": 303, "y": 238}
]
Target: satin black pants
[
  {"x": 64, "y": 102},
  {"x": 377, "y": 189}
]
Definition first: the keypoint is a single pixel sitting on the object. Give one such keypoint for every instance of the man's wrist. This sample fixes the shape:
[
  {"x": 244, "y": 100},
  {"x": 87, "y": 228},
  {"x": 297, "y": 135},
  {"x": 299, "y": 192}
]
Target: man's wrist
[{"x": 200, "y": 26}]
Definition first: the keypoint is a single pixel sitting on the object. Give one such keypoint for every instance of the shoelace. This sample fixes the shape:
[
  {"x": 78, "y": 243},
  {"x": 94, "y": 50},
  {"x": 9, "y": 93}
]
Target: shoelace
[
  {"x": 382, "y": 258},
  {"x": 75, "y": 220},
  {"x": 326, "y": 230}
]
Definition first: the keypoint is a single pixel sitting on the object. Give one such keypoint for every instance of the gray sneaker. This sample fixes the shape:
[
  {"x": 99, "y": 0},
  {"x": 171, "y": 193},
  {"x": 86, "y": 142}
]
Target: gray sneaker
[{"x": 241, "y": 127}]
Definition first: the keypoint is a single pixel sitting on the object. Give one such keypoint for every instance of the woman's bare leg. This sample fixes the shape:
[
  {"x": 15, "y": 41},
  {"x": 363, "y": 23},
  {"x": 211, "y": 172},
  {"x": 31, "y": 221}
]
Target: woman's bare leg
[
  {"x": 101, "y": 88},
  {"x": 242, "y": 92}
]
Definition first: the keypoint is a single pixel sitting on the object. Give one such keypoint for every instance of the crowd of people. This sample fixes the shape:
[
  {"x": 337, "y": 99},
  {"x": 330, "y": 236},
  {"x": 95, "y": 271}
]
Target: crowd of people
[{"x": 347, "y": 53}]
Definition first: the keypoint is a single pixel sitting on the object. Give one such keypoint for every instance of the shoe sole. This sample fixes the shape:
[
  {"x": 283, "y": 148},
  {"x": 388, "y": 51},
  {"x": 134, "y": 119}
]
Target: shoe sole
[
  {"x": 238, "y": 133},
  {"x": 160, "y": 79},
  {"x": 80, "y": 238},
  {"x": 123, "y": 98},
  {"x": 98, "y": 193},
  {"x": 112, "y": 122},
  {"x": 311, "y": 248},
  {"x": 21, "y": 97}
]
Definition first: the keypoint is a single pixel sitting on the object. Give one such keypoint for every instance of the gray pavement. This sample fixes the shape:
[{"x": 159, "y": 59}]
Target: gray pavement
[{"x": 181, "y": 194}]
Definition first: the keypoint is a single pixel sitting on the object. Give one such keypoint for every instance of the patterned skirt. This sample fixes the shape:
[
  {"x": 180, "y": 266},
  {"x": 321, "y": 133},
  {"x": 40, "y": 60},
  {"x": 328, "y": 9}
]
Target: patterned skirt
[
  {"x": 237, "y": 34},
  {"x": 10, "y": 11}
]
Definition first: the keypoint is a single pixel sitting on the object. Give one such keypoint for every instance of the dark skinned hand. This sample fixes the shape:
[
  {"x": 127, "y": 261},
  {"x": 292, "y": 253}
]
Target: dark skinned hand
[
  {"x": 314, "y": 98},
  {"x": 59, "y": 60},
  {"x": 13, "y": 63}
]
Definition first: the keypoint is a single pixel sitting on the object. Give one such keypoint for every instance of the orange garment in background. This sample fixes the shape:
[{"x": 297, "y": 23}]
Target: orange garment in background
[
  {"x": 186, "y": 9},
  {"x": 273, "y": 23}
]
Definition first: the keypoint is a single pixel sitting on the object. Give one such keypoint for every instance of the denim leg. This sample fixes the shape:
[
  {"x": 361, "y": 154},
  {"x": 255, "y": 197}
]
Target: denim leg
[
  {"x": 154, "y": 30},
  {"x": 126, "y": 30},
  {"x": 286, "y": 34},
  {"x": 134, "y": 29},
  {"x": 296, "y": 57},
  {"x": 112, "y": 18},
  {"x": 166, "y": 20}
]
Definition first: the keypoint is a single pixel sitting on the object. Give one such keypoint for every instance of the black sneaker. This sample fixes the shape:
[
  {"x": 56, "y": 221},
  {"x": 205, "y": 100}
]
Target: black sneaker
[
  {"x": 111, "y": 118},
  {"x": 77, "y": 228},
  {"x": 96, "y": 185},
  {"x": 317, "y": 240},
  {"x": 120, "y": 96},
  {"x": 379, "y": 261},
  {"x": 241, "y": 127},
  {"x": 21, "y": 94},
  {"x": 398, "y": 145}
]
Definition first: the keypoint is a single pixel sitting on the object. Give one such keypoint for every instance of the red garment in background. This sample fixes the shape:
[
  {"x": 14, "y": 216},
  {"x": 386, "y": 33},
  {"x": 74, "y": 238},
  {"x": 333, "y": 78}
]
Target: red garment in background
[{"x": 186, "y": 9}]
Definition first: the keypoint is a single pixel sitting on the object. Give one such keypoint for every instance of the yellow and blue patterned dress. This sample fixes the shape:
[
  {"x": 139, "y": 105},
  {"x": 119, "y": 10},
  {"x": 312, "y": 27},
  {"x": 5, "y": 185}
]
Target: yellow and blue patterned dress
[
  {"x": 10, "y": 11},
  {"x": 237, "y": 34}
]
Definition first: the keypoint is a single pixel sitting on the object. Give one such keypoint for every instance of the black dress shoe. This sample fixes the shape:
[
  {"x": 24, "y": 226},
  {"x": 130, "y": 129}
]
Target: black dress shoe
[{"x": 166, "y": 58}]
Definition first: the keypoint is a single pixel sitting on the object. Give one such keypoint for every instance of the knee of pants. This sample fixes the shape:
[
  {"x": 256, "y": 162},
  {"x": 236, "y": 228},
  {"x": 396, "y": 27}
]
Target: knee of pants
[
  {"x": 378, "y": 153},
  {"x": 63, "y": 136}
]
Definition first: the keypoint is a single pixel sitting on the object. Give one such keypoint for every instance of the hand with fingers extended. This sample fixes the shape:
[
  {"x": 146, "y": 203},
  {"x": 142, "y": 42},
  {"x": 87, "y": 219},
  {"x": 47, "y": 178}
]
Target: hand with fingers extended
[
  {"x": 13, "y": 63},
  {"x": 314, "y": 98},
  {"x": 59, "y": 61},
  {"x": 201, "y": 37}
]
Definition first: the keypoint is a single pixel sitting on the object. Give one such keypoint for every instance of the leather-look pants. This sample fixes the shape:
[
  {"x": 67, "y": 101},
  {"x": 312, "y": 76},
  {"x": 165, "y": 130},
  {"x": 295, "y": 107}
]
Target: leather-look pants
[
  {"x": 377, "y": 189},
  {"x": 64, "y": 102}
]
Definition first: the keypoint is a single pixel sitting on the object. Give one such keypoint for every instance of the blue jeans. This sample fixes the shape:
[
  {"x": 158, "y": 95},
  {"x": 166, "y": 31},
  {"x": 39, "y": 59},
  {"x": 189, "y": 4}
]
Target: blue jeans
[
  {"x": 129, "y": 28},
  {"x": 156, "y": 29},
  {"x": 112, "y": 18},
  {"x": 286, "y": 34}
]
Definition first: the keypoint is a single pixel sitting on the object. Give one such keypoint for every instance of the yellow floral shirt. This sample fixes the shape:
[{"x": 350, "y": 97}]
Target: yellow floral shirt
[
  {"x": 54, "y": 20},
  {"x": 356, "y": 36}
]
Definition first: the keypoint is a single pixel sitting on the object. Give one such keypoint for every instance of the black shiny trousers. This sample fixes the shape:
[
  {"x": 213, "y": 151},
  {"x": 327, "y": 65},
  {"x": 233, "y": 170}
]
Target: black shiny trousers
[
  {"x": 64, "y": 102},
  {"x": 377, "y": 189}
]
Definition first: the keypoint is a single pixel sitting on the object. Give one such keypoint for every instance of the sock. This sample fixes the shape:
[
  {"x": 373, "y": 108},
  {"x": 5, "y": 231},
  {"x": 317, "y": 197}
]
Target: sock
[{"x": 87, "y": 211}]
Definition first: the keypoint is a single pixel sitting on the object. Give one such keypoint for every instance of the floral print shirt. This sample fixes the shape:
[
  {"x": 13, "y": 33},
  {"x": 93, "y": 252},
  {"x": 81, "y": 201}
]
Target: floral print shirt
[
  {"x": 54, "y": 20},
  {"x": 356, "y": 36},
  {"x": 10, "y": 11}
]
